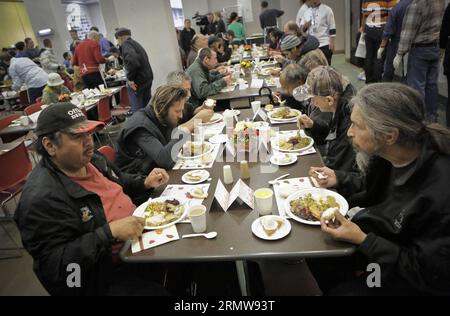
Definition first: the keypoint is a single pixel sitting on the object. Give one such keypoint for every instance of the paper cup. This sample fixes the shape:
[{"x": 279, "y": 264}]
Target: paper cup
[
  {"x": 263, "y": 201},
  {"x": 197, "y": 215}
]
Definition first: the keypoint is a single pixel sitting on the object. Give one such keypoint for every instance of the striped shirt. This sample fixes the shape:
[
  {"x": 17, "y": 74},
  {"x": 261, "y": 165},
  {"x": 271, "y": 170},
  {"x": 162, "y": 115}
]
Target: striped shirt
[
  {"x": 376, "y": 13},
  {"x": 421, "y": 24}
]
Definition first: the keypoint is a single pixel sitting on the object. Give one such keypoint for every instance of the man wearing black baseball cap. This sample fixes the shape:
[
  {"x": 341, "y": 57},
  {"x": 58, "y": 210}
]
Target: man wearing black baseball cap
[
  {"x": 76, "y": 209},
  {"x": 138, "y": 70}
]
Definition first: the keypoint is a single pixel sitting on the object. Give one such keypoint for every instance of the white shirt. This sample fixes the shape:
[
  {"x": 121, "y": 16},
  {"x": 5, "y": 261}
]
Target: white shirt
[
  {"x": 301, "y": 13},
  {"x": 323, "y": 25},
  {"x": 23, "y": 70}
]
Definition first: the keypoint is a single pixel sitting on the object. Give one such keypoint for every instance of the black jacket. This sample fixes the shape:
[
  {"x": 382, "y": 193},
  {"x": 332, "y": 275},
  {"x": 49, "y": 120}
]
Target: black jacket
[
  {"x": 444, "y": 39},
  {"x": 185, "y": 39},
  {"x": 332, "y": 139},
  {"x": 136, "y": 64},
  {"x": 61, "y": 223},
  {"x": 144, "y": 143},
  {"x": 407, "y": 219}
]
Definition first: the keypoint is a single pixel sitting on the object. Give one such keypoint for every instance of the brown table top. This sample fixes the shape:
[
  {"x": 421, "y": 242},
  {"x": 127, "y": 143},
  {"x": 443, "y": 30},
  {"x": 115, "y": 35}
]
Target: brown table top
[
  {"x": 235, "y": 239},
  {"x": 240, "y": 94},
  {"x": 10, "y": 130}
]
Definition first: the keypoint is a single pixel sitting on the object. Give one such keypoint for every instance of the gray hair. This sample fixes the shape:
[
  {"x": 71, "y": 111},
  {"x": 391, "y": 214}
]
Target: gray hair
[
  {"x": 93, "y": 35},
  {"x": 388, "y": 106},
  {"x": 295, "y": 74},
  {"x": 176, "y": 78}
]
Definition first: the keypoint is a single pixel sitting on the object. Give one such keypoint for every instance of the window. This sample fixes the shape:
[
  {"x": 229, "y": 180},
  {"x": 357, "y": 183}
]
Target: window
[{"x": 177, "y": 13}]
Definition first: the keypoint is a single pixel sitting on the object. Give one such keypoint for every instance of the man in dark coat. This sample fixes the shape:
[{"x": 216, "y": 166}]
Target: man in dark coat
[
  {"x": 76, "y": 210},
  {"x": 138, "y": 70},
  {"x": 401, "y": 225}
]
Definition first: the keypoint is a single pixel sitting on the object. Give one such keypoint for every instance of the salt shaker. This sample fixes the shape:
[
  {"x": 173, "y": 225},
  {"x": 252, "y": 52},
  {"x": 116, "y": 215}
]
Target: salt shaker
[
  {"x": 245, "y": 170},
  {"x": 227, "y": 175}
]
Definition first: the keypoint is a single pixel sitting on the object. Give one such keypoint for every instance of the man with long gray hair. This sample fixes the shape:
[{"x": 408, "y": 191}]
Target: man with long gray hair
[{"x": 404, "y": 224}]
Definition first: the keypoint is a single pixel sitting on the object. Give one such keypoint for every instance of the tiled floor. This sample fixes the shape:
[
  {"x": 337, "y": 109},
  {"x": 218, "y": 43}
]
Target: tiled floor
[{"x": 17, "y": 277}]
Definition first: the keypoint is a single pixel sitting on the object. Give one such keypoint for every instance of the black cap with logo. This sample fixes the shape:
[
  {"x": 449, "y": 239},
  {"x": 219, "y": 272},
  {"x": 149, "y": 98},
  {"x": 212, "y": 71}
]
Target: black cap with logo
[{"x": 65, "y": 117}]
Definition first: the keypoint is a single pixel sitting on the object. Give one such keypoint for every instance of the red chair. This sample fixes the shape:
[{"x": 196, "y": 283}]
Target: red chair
[
  {"x": 33, "y": 108},
  {"x": 124, "y": 106},
  {"x": 39, "y": 100},
  {"x": 104, "y": 111},
  {"x": 104, "y": 115},
  {"x": 24, "y": 100},
  {"x": 108, "y": 152},
  {"x": 15, "y": 166},
  {"x": 6, "y": 121}
]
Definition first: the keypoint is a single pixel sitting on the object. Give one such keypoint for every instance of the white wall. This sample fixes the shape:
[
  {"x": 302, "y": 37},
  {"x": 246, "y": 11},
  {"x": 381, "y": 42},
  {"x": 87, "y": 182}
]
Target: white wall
[
  {"x": 50, "y": 14},
  {"x": 109, "y": 18},
  {"x": 190, "y": 7},
  {"x": 151, "y": 25},
  {"x": 97, "y": 19}
]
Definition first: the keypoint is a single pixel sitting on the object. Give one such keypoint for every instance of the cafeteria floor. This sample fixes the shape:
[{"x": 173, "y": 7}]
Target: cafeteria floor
[{"x": 17, "y": 277}]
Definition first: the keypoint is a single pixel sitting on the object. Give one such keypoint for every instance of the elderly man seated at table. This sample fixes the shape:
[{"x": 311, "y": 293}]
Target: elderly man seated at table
[
  {"x": 303, "y": 50},
  {"x": 330, "y": 92},
  {"x": 152, "y": 137},
  {"x": 404, "y": 224},
  {"x": 76, "y": 210},
  {"x": 55, "y": 91},
  {"x": 205, "y": 82},
  {"x": 181, "y": 79},
  {"x": 198, "y": 42}
]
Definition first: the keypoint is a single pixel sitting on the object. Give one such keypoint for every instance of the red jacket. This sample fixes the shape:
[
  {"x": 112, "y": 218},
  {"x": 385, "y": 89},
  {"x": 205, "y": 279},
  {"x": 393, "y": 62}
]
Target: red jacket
[{"x": 88, "y": 57}]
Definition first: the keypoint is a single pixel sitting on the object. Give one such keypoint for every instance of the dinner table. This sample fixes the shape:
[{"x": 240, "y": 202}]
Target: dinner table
[{"x": 235, "y": 240}]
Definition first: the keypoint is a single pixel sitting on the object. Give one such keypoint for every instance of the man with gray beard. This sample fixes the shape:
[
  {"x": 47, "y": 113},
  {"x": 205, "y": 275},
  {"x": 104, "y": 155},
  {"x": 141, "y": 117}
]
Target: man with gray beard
[{"x": 403, "y": 223}]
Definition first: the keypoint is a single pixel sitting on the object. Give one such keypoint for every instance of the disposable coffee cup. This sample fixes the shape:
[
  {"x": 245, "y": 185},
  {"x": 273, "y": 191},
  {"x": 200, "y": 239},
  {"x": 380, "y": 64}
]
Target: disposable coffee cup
[
  {"x": 197, "y": 215},
  {"x": 263, "y": 201}
]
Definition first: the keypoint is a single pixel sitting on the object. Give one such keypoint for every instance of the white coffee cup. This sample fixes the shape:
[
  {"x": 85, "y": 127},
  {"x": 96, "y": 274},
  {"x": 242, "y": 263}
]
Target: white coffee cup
[
  {"x": 256, "y": 106},
  {"x": 197, "y": 215},
  {"x": 101, "y": 87},
  {"x": 24, "y": 121},
  {"x": 263, "y": 201}
]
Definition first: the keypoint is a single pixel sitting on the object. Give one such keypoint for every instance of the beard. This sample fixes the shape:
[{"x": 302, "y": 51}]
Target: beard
[{"x": 363, "y": 161}]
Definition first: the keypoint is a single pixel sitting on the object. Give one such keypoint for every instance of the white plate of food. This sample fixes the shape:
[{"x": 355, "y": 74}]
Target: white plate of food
[
  {"x": 271, "y": 227},
  {"x": 285, "y": 114},
  {"x": 194, "y": 150},
  {"x": 307, "y": 206},
  {"x": 160, "y": 213},
  {"x": 219, "y": 139},
  {"x": 292, "y": 143},
  {"x": 283, "y": 159},
  {"x": 195, "y": 176},
  {"x": 260, "y": 125},
  {"x": 216, "y": 118}
]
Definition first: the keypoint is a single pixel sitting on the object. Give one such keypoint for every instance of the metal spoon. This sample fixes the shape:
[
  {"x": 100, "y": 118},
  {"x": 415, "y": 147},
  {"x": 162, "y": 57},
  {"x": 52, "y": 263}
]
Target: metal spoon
[{"x": 210, "y": 235}]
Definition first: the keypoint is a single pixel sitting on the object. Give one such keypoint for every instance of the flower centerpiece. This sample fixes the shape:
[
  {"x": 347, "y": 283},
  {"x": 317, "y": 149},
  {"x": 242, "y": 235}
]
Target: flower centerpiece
[
  {"x": 248, "y": 48},
  {"x": 246, "y": 65},
  {"x": 245, "y": 134}
]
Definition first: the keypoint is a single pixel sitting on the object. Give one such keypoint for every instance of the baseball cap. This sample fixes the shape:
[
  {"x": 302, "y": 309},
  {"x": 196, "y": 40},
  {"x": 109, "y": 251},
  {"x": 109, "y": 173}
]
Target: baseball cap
[{"x": 65, "y": 117}]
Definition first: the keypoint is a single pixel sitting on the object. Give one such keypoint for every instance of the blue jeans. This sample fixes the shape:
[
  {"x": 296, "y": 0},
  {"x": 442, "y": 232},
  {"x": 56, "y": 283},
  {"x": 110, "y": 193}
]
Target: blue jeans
[
  {"x": 140, "y": 99},
  {"x": 423, "y": 73}
]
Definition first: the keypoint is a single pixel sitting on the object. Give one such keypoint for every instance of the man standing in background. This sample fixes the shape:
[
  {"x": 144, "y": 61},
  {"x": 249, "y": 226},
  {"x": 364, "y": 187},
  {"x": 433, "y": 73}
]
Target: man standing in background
[
  {"x": 75, "y": 41},
  {"x": 420, "y": 38},
  {"x": 375, "y": 16},
  {"x": 186, "y": 36},
  {"x": 391, "y": 38},
  {"x": 87, "y": 60},
  {"x": 137, "y": 68},
  {"x": 319, "y": 22},
  {"x": 268, "y": 17},
  {"x": 301, "y": 12}
]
